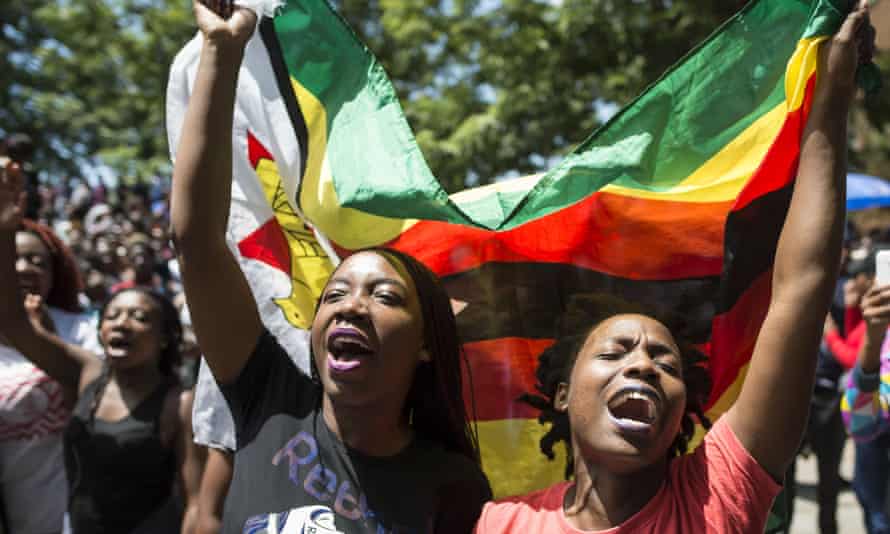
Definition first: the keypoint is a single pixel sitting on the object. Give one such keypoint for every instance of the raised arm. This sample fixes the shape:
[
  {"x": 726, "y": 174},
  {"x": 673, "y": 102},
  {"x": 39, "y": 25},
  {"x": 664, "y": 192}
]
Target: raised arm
[
  {"x": 224, "y": 314},
  {"x": 60, "y": 360},
  {"x": 770, "y": 414}
]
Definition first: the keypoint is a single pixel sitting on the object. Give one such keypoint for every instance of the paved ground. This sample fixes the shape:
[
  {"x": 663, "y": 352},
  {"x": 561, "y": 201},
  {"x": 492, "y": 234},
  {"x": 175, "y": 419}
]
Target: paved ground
[{"x": 849, "y": 514}]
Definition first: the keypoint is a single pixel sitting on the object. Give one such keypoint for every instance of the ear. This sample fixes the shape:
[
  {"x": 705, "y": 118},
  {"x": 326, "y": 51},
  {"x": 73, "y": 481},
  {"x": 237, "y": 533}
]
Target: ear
[
  {"x": 561, "y": 399},
  {"x": 424, "y": 356}
]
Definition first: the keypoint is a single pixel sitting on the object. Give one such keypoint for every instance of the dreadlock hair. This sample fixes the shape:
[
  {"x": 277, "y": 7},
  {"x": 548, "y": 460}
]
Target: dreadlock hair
[
  {"x": 583, "y": 314},
  {"x": 66, "y": 280},
  {"x": 435, "y": 403},
  {"x": 171, "y": 330}
]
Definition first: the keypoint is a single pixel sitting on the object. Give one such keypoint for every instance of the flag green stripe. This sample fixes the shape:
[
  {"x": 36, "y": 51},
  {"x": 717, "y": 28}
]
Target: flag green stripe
[
  {"x": 683, "y": 120},
  {"x": 376, "y": 163}
]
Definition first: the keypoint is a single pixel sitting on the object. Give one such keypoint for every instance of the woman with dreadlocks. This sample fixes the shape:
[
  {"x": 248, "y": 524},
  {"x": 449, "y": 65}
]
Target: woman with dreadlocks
[
  {"x": 625, "y": 398},
  {"x": 376, "y": 438},
  {"x": 129, "y": 438}
]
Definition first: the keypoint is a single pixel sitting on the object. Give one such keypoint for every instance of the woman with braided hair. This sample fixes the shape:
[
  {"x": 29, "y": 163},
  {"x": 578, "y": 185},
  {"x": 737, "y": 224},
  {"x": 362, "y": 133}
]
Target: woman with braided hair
[
  {"x": 129, "y": 438},
  {"x": 556, "y": 363},
  {"x": 624, "y": 395}
]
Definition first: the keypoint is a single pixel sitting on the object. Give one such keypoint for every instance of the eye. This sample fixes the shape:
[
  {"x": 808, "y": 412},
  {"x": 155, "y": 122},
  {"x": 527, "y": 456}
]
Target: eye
[
  {"x": 609, "y": 355},
  {"x": 388, "y": 297},
  {"x": 668, "y": 364},
  {"x": 333, "y": 295}
]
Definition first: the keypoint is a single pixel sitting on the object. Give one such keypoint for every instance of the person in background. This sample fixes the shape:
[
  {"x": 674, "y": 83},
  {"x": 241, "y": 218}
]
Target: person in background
[
  {"x": 140, "y": 268},
  {"x": 129, "y": 438},
  {"x": 865, "y": 410},
  {"x": 34, "y": 408},
  {"x": 845, "y": 343},
  {"x": 825, "y": 435}
]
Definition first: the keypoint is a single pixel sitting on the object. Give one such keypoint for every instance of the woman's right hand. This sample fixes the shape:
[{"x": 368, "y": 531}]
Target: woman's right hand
[
  {"x": 223, "y": 23},
  {"x": 876, "y": 311},
  {"x": 12, "y": 196}
]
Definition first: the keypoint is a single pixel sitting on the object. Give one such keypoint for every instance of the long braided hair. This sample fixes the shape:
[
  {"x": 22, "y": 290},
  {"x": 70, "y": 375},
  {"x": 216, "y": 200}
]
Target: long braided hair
[
  {"x": 435, "y": 402},
  {"x": 583, "y": 314},
  {"x": 171, "y": 331}
]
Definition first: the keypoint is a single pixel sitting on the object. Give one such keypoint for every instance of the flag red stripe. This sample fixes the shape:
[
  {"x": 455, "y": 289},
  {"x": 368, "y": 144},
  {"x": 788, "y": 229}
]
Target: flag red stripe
[
  {"x": 613, "y": 234},
  {"x": 502, "y": 370},
  {"x": 779, "y": 166},
  {"x": 733, "y": 335}
]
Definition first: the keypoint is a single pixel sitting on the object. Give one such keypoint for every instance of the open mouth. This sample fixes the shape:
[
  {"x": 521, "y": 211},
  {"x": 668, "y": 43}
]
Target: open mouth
[
  {"x": 347, "y": 348},
  {"x": 118, "y": 345},
  {"x": 634, "y": 409}
]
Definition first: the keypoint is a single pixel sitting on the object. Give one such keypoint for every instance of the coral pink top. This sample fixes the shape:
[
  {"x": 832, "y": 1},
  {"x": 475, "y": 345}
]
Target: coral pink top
[{"x": 719, "y": 488}]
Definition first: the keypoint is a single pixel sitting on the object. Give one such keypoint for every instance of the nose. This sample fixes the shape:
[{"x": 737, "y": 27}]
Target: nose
[
  {"x": 641, "y": 366},
  {"x": 352, "y": 305}
]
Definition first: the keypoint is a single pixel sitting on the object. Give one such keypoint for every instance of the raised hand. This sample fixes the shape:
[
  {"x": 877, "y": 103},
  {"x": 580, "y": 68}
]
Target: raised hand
[
  {"x": 223, "y": 23},
  {"x": 12, "y": 196},
  {"x": 876, "y": 309},
  {"x": 851, "y": 46},
  {"x": 38, "y": 314}
]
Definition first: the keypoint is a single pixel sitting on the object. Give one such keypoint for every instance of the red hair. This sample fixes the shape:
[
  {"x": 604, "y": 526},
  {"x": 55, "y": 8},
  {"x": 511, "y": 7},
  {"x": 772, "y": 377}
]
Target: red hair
[{"x": 66, "y": 280}]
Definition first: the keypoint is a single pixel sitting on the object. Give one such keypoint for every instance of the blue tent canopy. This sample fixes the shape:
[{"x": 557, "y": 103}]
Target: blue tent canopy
[{"x": 865, "y": 191}]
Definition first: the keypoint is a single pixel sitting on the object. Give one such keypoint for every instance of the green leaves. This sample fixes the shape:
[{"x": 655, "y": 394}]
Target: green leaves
[
  {"x": 491, "y": 87},
  {"x": 88, "y": 79}
]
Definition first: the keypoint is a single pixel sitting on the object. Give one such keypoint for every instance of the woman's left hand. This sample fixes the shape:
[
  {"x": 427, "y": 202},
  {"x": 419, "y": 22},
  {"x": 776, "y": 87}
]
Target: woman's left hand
[
  {"x": 851, "y": 46},
  {"x": 38, "y": 314}
]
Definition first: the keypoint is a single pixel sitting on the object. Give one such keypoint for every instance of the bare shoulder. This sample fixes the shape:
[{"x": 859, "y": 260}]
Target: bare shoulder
[{"x": 89, "y": 373}]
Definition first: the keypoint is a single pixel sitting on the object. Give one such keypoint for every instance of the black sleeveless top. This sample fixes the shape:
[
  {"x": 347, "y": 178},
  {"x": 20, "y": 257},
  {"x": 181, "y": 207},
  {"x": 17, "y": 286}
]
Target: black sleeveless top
[{"x": 119, "y": 473}]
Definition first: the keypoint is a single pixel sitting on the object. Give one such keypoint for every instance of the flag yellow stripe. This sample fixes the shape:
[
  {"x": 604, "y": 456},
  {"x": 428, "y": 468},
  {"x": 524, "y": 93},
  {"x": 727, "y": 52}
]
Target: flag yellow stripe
[
  {"x": 722, "y": 177},
  {"x": 347, "y": 227},
  {"x": 512, "y": 457}
]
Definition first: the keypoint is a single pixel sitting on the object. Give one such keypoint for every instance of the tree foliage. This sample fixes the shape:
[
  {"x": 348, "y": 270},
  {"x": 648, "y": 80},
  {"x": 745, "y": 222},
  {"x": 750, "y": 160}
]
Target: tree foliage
[
  {"x": 86, "y": 79},
  {"x": 492, "y": 88}
]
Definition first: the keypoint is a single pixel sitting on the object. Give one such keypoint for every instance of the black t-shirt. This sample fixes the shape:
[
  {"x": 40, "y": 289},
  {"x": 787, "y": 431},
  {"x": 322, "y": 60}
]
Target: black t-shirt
[{"x": 292, "y": 474}]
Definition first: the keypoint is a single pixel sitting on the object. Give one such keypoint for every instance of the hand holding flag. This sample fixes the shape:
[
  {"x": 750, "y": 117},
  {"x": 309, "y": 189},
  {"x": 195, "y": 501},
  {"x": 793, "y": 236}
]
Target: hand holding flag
[
  {"x": 223, "y": 23},
  {"x": 840, "y": 58}
]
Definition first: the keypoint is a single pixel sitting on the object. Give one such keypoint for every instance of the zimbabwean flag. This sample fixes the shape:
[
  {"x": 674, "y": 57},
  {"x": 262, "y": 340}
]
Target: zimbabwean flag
[{"x": 677, "y": 202}]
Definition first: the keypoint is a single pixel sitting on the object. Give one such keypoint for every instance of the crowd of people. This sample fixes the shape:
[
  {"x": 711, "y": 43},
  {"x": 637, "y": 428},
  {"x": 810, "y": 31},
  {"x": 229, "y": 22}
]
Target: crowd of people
[{"x": 99, "y": 359}]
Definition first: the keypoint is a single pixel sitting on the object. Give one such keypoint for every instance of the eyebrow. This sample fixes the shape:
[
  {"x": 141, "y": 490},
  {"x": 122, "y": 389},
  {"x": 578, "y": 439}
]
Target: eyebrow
[
  {"x": 656, "y": 347},
  {"x": 375, "y": 282}
]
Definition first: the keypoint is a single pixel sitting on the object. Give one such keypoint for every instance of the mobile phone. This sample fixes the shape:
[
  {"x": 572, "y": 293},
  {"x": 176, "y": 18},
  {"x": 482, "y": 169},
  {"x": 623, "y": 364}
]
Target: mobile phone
[{"x": 882, "y": 267}]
